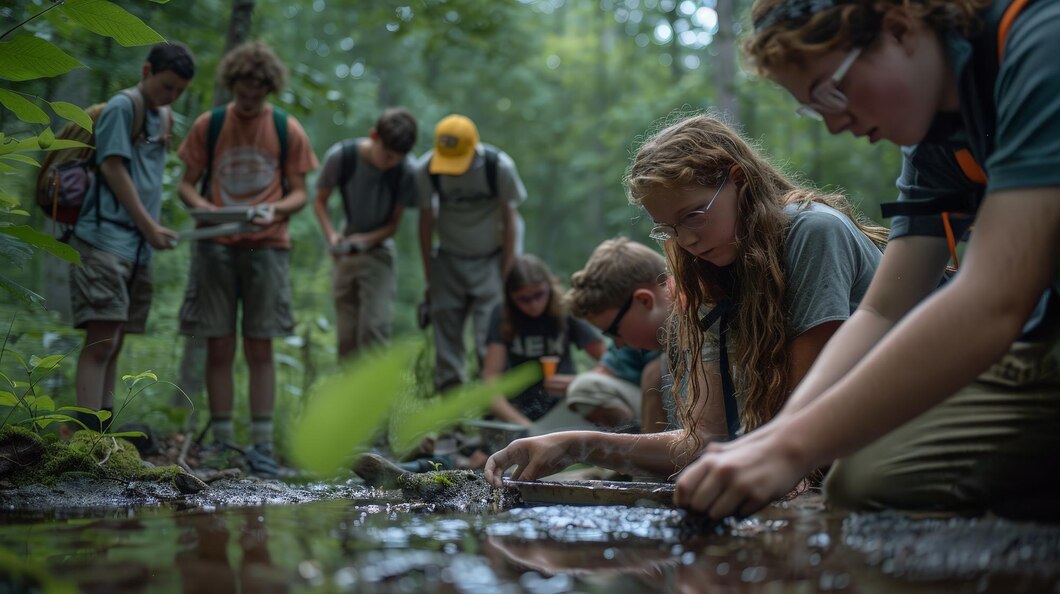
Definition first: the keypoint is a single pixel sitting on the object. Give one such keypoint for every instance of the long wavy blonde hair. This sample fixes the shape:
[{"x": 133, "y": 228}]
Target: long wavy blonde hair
[
  {"x": 702, "y": 151},
  {"x": 794, "y": 39}
]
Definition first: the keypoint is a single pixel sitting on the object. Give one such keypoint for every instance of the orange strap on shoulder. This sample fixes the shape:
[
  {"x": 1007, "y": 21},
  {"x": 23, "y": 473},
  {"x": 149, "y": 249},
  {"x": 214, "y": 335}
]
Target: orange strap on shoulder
[
  {"x": 951, "y": 241},
  {"x": 970, "y": 166},
  {"x": 1007, "y": 19}
]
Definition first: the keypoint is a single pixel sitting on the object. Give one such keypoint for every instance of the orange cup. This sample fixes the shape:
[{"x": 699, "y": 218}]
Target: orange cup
[{"x": 548, "y": 365}]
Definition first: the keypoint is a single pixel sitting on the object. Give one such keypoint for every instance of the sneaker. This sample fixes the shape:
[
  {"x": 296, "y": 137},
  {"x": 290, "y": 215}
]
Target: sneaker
[{"x": 263, "y": 464}]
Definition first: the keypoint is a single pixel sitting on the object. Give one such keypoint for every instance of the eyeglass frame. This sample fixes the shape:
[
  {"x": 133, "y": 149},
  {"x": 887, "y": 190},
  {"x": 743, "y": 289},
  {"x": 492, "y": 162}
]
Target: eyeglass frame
[
  {"x": 612, "y": 330},
  {"x": 828, "y": 91},
  {"x": 656, "y": 232}
]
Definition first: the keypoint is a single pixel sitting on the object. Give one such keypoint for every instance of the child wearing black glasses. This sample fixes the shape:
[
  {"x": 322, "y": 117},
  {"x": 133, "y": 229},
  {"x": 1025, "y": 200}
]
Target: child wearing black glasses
[{"x": 530, "y": 325}]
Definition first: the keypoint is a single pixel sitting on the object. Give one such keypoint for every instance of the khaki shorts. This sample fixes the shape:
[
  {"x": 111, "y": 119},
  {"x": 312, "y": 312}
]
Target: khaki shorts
[
  {"x": 222, "y": 276},
  {"x": 593, "y": 389},
  {"x": 109, "y": 288}
]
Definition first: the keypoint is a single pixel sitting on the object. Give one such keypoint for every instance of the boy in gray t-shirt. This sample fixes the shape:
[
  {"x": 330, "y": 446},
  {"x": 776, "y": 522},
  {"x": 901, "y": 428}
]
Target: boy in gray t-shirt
[
  {"x": 376, "y": 180},
  {"x": 468, "y": 194},
  {"x": 110, "y": 293}
]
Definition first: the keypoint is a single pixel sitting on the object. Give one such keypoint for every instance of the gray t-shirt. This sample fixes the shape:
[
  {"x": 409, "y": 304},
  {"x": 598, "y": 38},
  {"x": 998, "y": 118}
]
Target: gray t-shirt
[
  {"x": 468, "y": 219},
  {"x": 116, "y": 232},
  {"x": 829, "y": 265},
  {"x": 371, "y": 194}
]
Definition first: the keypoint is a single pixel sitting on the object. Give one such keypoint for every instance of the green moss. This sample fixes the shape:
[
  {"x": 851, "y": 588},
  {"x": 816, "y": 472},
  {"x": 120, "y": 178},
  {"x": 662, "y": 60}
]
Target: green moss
[
  {"x": 18, "y": 432},
  {"x": 90, "y": 454}
]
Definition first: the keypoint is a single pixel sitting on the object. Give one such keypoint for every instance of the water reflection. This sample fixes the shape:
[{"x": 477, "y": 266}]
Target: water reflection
[{"x": 363, "y": 546}]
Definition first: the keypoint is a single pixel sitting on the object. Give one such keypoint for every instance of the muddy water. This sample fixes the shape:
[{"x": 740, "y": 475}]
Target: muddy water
[{"x": 365, "y": 545}]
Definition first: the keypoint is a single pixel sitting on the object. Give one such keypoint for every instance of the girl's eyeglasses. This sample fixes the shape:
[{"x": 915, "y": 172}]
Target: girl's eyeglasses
[
  {"x": 826, "y": 98},
  {"x": 697, "y": 219},
  {"x": 532, "y": 297}
]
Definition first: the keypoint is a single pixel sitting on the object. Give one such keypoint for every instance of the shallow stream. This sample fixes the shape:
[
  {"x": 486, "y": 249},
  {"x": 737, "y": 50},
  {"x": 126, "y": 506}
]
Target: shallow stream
[{"x": 364, "y": 542}]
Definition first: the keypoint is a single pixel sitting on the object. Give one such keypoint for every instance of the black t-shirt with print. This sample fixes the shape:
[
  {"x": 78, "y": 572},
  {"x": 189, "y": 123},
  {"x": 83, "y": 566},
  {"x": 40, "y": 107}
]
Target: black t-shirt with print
[{"x": 537, "y": 337}]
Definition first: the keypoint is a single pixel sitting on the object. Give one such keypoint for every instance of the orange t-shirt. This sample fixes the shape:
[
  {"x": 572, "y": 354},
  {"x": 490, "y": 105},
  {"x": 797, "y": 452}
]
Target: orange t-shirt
[{"x": 246, "y": 167}]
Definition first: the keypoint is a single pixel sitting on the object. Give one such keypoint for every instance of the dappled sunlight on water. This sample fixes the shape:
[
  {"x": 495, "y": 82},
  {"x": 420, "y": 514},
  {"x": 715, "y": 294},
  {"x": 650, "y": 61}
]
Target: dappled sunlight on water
[{"x": 350, "y": 546}]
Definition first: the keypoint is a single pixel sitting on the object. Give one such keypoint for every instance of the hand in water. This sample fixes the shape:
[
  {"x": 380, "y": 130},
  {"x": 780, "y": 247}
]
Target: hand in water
[
  {"x": 534, "y": 456},
  {"x": 742, "y": 476}
]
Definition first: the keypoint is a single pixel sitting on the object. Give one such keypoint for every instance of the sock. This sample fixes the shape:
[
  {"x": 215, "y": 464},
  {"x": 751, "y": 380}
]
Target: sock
[
  {"x": 222, "y": 429},
  {"x": 261, "y": 431}
]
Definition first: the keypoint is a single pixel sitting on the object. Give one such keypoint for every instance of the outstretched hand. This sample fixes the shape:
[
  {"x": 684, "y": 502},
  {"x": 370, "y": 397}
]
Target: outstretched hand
[
  {"x": 742, "y": 476},
  {"x": 534, "y": 456}
]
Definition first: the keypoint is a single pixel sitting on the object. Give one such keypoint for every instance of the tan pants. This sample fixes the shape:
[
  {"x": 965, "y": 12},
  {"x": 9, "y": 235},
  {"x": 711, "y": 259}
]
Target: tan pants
[
  {"x": 593, "y": 389},
  {"x": 364, "y": 287},
  {"x": 990, "y": 447}
]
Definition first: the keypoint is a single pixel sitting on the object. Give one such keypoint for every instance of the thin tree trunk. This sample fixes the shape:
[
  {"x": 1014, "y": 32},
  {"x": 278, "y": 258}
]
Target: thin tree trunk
[
  {"x": 725, "y": 63},
  {"x": 238, "y": 30}
]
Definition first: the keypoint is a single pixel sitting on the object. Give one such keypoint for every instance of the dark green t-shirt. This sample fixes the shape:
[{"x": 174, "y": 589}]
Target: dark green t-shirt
[{"x": 1009, "y": 121}]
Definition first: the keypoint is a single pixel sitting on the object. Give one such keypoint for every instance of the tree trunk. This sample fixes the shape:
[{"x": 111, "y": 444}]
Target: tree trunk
[
  {"x": 238, "y": 31},
  {"x": 725, "y": 64}
]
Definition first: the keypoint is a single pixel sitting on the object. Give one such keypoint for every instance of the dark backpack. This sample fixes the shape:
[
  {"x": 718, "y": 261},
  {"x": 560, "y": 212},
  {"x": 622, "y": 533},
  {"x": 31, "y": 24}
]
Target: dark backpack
[
  {"x": 217, "y": 121},
  {"x": 349, "y": 166},
  {"x": 492, "y": 156},
  {"x": 66, "y": 175}
]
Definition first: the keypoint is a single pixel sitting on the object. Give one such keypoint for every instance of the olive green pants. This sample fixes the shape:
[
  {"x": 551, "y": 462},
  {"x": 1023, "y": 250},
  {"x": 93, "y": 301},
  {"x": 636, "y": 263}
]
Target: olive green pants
[{"x": 993, "y": 446}]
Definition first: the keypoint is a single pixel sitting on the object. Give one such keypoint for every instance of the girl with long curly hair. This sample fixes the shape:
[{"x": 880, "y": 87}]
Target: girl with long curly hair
[
  {"x": 929, "y": 399},
  {"x": 764, "y": 272}
]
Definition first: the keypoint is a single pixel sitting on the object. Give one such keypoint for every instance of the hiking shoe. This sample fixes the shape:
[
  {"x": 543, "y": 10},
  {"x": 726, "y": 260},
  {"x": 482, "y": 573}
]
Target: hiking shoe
[
  {"x": 220, "y": 456},
  {"x": 263, "y": 464}
]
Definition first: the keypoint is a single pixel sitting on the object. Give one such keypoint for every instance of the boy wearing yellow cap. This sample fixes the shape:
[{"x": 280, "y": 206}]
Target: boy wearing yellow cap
[{"x": 468, "y": 193}]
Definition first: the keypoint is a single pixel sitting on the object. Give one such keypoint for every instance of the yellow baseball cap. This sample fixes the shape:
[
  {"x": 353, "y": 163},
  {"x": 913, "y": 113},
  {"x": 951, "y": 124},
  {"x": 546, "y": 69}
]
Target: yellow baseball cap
[{"x": 455, "y": 139}]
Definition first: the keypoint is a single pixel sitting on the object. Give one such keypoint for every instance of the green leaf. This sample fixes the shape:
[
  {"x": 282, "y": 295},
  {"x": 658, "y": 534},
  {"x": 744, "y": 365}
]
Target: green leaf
[
  {"x": 128, "y": 434},
  {"x": 21, "y": 159},
  {"x": 139, "y": 376},
  {"x": 69, "y": 111},
  {"x": 47, "y": 363},
  {"x": 462, "y": 403},
  {"x": 8, "y": 199},
  {"x": 43, "y": 241},
  {"x": 7, "y": 379},
  {"x": 45, "y": 420},
  {"x": 23, "y": 108},
  {"x": 28, "y": 57},
  {"x": 19, "y": 212},
  {"x": 45, "y": 139},
  {"x": 19, "y": 292},
  {"x": 43, "y": 403},
  {"x": 102, "y": 415},
  {"x": 33, "y": 145},
  {"x": 110, "y": 20},
  {"x": 8, "y": 398},
  {"x": 345, "y": 411}
]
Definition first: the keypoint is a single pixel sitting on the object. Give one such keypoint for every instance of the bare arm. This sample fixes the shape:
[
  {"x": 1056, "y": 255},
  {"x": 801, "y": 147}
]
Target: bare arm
[
  {"x": 1010, "y": 260},
  {"x": 296, "y": 198},
  {"x": 119, "y": 182},
  {"x": 320, "y": 208},
  {"x": 189, "y": 195}
]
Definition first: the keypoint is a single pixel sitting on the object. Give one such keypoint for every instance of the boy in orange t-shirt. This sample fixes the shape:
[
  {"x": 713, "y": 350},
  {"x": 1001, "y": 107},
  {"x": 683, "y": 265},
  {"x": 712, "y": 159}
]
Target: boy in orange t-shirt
[{"x": 243, "y": 169}]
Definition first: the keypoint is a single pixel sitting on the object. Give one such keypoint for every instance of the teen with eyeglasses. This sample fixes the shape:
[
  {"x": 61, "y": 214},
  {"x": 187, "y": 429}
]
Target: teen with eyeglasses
[
  {"x": 764, "y": 273},
  {"x": 531, "y": 323},
  {"x": 929, "y": 399}
]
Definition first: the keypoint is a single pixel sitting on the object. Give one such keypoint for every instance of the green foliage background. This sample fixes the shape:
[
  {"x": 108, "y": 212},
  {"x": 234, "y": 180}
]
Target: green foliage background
[{"x": 566, "y": 87}]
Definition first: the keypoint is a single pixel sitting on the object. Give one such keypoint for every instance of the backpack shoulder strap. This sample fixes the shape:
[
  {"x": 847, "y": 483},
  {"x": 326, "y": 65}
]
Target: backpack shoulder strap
[
  {"x": 217, "y": 121},
  {"x": 435, "y": 181},
  {"x": 348, "y": 164},
  {"x": 139, "y": 114},
  {"x": 492, "y": 157},
  {"x": 279, "y": 119}
]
